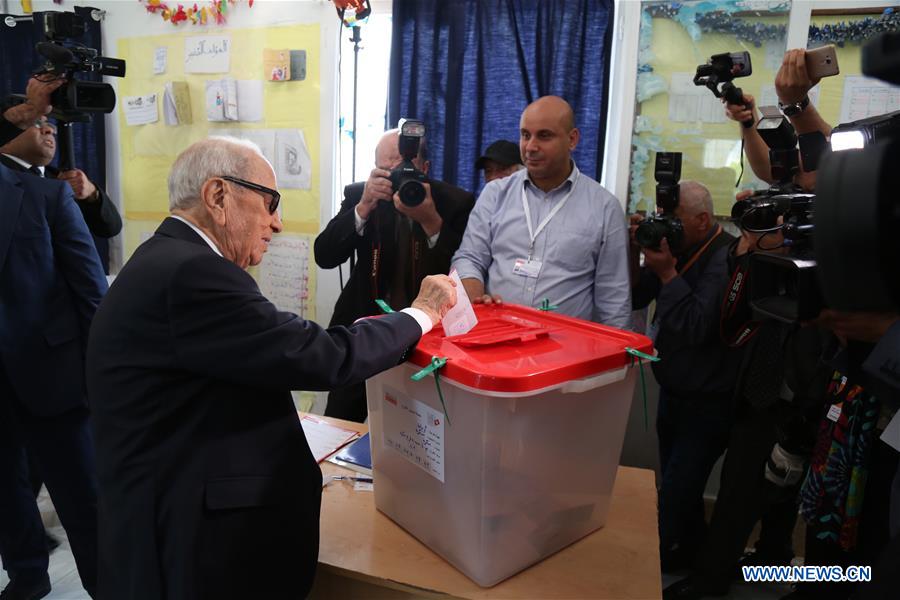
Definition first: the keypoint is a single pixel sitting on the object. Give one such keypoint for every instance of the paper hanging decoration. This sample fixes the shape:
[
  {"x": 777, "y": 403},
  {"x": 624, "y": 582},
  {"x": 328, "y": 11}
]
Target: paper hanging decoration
[{"x": 214, "y": 12}]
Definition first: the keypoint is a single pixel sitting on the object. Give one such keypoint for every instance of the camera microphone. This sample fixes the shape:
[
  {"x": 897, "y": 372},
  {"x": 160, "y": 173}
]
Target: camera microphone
[{"x": 56, "y": 54}]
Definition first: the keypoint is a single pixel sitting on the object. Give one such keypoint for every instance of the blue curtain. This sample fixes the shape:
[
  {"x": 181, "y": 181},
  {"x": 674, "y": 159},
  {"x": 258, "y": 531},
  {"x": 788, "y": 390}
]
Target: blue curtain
[
  {"x": 90, "y": 138},
  {"x": 469, "y": 67}
]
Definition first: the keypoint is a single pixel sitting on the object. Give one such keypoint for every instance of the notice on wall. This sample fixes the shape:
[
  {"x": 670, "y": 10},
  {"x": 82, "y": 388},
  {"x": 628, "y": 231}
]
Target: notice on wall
[
  {"x": 866, "y": 97},
  {"x": 141, "y": 110},
  {"x": 284, "y": 273},
  {"x": 159, "y": 60},
  {"x": 207, "y": 54},
  {"x": 415, "y": 431}
]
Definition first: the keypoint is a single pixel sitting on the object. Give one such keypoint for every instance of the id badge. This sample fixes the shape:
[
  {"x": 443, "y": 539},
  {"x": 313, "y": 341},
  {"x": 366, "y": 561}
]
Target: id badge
[{"x": 527, "y": 268}]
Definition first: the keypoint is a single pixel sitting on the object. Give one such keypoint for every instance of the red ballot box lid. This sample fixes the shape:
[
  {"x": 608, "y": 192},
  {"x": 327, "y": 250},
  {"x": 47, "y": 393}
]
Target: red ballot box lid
[{"x": 519, "y": 349}]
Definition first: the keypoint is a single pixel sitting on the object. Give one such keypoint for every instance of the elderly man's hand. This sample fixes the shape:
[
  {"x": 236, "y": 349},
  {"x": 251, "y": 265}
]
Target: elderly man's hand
[
  {"x": 437, "y": 295},
  {"x": 741, "y": 112},
  {"x": 792, "y": 82},
  {"x": 378, "y": 187},
  {"x": 425, "y": 213},
  {"x": 81, "y": 185},
  {"x": 661, "y": 261}
]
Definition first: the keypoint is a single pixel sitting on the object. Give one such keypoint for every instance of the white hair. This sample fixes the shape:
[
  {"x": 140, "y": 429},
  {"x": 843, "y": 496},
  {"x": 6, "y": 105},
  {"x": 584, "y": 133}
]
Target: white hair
[
  {"x": 695, "y": 197},
  {"x": 213, "y": 157}
]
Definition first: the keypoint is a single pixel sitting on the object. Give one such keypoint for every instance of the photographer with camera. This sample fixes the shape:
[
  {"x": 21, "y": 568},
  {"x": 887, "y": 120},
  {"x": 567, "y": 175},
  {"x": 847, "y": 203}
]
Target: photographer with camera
[
  {"x": 17, "y": 119},
  {"x": 402, "y": 227},
  {"x": 685, "y": 272},
  {"x": 792, "y": 85},
  {"x": 32, "y": 151}
]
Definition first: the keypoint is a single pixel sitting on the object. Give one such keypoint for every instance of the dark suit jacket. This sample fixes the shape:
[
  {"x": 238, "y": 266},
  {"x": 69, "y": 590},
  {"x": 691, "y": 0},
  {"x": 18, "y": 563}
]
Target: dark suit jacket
[
  {"x": 339, "y": 240},
  {"x": 207, "y": 486},
  {"x": 102, "y": 217},
  {"x": 51, "y": 282}
]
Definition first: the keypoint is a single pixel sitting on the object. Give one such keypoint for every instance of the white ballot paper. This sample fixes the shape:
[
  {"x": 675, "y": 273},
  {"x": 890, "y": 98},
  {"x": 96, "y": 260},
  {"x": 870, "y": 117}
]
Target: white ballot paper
[{"x": 461, "y": 318}]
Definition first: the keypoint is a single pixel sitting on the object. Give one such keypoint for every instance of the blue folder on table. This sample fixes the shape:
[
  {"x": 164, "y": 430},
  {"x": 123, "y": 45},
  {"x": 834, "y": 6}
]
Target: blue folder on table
[{"x": 358, "y": 454}]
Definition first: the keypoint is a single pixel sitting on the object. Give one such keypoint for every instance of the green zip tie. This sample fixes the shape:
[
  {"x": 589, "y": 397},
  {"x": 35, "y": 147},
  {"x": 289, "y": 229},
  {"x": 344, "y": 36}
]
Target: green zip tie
[
  {"x": 545, "y": 305},
  {"x": 638, "y": 355},
  {"x": 436, "y": 364},
  {"x": 385, "y": 308}
]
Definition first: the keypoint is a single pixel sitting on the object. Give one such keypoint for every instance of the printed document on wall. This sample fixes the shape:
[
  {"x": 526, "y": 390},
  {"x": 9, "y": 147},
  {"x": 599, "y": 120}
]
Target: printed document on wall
[
  {"x": 140, "y": 110},
  {"x": 207, "y": 54},
  {"x": 293, "y": 165}
]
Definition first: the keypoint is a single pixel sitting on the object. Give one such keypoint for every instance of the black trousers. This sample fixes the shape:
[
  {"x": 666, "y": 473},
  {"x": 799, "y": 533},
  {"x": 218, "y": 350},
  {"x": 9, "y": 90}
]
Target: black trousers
[
  {"x": 745, "y": 497},
  {"x": 348, "y": 403},
  {"x": 62, "y": 447}
]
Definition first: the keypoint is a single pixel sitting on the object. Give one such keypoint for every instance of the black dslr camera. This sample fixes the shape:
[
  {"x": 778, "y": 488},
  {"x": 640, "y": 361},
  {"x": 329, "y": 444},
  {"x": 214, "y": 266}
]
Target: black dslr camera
[
  {"x": 652, "y": 230},
  {"x": 722, "y": 69},
  {"x": 75, "y": 98},
  {"x": 406, "y": 179}
]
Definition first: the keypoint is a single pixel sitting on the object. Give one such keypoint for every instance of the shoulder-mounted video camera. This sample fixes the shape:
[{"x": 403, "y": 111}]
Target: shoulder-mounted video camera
[
  {"x": 76, "y": 98},
  {"x": 406, "y": 179},
  {"x": 653, "y": 229}
]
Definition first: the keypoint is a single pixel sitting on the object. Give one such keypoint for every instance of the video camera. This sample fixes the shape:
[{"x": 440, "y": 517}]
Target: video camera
[
  {"x": 722, "y": 69},
  {"x": 406, "y": 179},
  {"x": 653, "y": 229},
  {"x": 783, "y": 285},
  {"x": 858, "y": 212},
  {"x": 75, "y": 98}
]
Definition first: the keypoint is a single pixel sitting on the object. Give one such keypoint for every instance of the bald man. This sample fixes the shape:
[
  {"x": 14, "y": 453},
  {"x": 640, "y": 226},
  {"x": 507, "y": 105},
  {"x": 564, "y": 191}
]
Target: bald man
[
  {"x": 698, "y": 371},
  {"x": 396, "y": 246},
  {"x": 549, "y": 231}
]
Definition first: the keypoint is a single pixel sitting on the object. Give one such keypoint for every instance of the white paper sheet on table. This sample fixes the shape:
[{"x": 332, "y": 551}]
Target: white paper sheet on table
[
  {"x": 325, "y": 439},
  {"x": 461, "y": 318}
]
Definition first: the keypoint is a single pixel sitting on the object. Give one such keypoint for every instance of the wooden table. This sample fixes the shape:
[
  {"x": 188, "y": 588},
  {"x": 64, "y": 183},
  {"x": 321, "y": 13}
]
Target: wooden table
[{"x": 363, "y": 554}]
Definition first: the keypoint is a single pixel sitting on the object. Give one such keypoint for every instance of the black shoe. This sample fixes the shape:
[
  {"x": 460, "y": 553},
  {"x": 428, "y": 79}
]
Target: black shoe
[
  {"x": 690, "y": 589},
  {"x": 26, "y": 588},
  {"x": 761, "y": 559},
  {"x": 52, "y": 542}
]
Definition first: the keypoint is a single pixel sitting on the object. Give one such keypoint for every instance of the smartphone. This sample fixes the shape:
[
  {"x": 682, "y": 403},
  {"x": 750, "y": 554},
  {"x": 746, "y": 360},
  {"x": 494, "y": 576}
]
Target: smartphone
[{"x": 822, "y": 62}]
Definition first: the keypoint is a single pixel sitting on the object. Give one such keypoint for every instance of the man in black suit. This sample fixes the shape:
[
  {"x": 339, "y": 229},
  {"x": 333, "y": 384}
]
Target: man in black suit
[
  {"x": 396, "y": 246},
  {"x": 31, "y": 152},
  {"x": 51, "y": 282},
  {"x": 208, "y": 489}
]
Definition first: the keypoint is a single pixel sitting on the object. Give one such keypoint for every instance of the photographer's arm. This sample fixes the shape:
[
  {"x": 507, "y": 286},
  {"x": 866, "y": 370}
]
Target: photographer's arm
[
  {"x": 792, "y": 84},
  {"x": 37, "y": 105},
  {"x": 754, "y": 147}
]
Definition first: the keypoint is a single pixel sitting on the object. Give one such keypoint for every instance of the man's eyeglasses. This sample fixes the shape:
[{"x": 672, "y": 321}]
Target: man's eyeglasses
[
  {"x": 39, "y": 124},
  {"x": 274, "y": 195}
]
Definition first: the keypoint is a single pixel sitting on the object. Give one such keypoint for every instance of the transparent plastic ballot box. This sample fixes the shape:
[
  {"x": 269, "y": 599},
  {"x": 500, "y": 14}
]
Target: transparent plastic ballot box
[{"x": 512, "y": 454}]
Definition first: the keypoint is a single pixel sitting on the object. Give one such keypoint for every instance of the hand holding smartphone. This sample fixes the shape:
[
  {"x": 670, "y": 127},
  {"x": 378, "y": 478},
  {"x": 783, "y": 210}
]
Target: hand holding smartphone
[{"x": 822, "y": 62}]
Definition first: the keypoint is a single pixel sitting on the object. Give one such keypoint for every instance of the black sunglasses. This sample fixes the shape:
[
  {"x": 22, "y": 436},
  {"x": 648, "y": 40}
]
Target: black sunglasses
[{"x": 276, "y": 196}]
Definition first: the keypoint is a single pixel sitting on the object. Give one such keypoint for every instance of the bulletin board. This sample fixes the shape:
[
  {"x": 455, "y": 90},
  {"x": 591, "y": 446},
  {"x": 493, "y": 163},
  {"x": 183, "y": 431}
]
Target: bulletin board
[
  {"x": 282, "y": 116},
  {"x": 848, "y": 96},
  {"x": 674, "y": 115}
]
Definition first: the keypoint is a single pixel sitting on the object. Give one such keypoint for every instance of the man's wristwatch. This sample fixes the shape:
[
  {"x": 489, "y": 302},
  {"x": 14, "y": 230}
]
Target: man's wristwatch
[{"x": 794, "y": 108}]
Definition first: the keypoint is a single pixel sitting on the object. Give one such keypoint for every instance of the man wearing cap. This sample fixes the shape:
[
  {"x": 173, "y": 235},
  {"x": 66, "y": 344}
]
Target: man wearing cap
[
  {"x": 501, "y": 159},
  {"x": 549, "y": 231}
]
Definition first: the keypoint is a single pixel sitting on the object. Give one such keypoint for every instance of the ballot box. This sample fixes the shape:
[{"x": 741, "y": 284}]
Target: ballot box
[{"x": 510, "y": 453}]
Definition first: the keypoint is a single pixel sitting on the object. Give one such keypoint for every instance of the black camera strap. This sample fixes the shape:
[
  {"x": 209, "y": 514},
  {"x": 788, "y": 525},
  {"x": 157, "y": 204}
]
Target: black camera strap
[{"x": 737, "y": 325}]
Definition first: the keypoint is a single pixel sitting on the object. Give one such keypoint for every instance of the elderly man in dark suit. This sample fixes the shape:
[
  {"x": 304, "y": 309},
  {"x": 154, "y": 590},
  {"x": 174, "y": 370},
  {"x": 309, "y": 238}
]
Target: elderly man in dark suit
[
  {"x": 208, "y": 488},
  {"x": 51, "y": 282},
  {"x": 396, "y": 246}
]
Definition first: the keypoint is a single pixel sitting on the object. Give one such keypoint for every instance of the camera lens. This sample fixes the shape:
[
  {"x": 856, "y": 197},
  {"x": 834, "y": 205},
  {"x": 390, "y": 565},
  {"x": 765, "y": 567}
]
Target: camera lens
[
  {"x": 650, "y": 233},
  {"x": 412, "y": 192}
]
